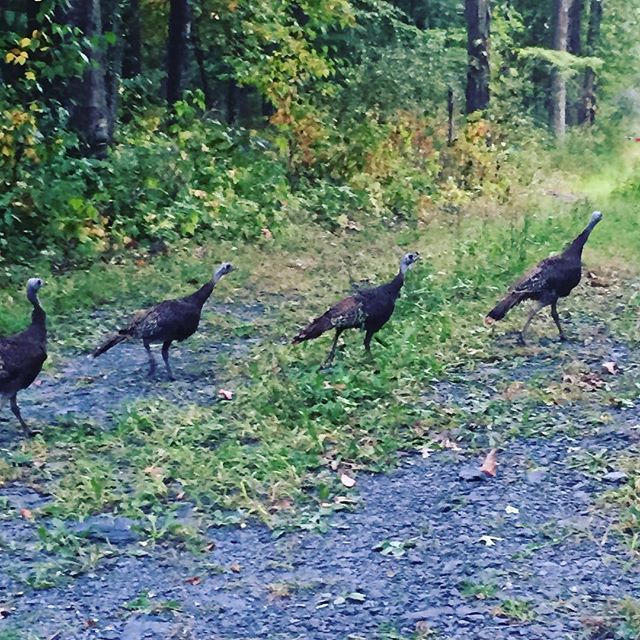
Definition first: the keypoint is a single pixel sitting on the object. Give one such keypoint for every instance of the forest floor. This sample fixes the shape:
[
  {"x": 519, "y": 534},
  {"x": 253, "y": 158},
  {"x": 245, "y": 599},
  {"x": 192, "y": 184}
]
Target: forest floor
[{"x": 245, "y": 500}]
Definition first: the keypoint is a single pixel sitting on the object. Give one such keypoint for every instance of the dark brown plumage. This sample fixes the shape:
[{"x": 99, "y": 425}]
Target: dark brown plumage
[
  {"x": 166, "y": 322},
  {"x": 23, "y": 354},
  {"x": 369, "y": 309},
  {"x": 549, "y": 280}
]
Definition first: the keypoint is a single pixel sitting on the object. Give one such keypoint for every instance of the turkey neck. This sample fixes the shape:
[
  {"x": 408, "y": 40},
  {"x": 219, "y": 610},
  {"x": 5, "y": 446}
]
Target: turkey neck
[
  {"x": 203, "y": 293},
  {"x": 577, "y": 245},
  {"x": 38, "y": 328},
  {"x": 395, "y": 285}
]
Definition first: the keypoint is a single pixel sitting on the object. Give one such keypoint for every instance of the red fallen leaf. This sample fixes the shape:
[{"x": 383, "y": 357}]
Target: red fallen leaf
[
  {"x": 194, "y": 580},
  {"x": 235, "y": 567},
  {"x": 26, "y": 514},
  {"x": 610, "y": 367},
  {"x": 226, "y": 394},
  {"x": 490, "y": 463}
]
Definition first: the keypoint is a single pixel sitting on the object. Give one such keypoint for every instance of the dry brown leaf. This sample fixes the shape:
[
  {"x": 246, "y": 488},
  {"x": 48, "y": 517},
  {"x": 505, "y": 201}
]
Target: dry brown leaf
[
  {"x": 490, "y": 463},
  {"x": 154, "y": 472},
  {"x": 226, "y": 394},
  {"x": 347, "y": 481},
  {"x": 266, "y": 233},
  {"x": 194, "y": 580},
  {"x": 610, "y": 367},
  {"x": 235, "y": 567},
  {"x": 26, "y": 514}
]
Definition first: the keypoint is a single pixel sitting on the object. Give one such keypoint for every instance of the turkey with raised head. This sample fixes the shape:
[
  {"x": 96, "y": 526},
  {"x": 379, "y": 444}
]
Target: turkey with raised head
[
  {"x": 368, "y": 309},
  {"x": 553, "y": 278},
  {"x": 23, "y": 354},
  {"x": 166, "y": 322}
]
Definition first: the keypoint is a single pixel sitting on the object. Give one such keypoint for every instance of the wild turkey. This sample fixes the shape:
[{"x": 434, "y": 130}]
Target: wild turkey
[
  {"x": 369, "y": 309},
  {"x": 165, "y": 322},
  {"x": 549, "y": 280},
  {"x": 23, "y": 354}
]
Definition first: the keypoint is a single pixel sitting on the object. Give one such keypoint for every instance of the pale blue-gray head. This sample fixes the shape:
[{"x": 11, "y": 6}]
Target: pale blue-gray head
[
  {"x": 222, "y": 270},
  {"x": 33, "y": 286},
  {"x": 596, "y": 216},
  {"x": 407, "y": 260}
]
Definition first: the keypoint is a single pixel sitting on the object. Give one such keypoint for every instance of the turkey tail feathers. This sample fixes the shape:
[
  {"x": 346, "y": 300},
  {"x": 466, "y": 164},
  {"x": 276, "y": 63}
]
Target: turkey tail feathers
[
  {"x": 111, "y": 341},
  {"x": 313, "y": 330},
  {"x": 501, "y": 309}
]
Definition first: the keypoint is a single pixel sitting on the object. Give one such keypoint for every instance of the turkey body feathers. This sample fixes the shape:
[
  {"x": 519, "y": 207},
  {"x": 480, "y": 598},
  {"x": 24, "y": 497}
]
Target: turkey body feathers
[
  {"x": 549, "y": 280},
  {"x": 369, "y": 309},
  {"x": 166, "y": 322},
  {"x": 23, "y": 354}
]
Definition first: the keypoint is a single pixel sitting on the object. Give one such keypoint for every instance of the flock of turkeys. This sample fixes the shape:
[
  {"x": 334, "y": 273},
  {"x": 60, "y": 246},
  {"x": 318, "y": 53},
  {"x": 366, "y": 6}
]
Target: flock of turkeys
[{"x": 23, "y": 354}]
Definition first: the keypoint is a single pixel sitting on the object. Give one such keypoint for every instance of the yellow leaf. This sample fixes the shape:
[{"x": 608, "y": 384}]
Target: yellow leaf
[
  {"x": 30, "y": 75},
  {"x": 9, "y": 57},
  {"x": 25, "y": 42}
]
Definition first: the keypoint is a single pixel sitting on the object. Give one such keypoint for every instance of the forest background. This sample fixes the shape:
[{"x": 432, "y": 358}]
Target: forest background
[{"x": 142, "y": 123}]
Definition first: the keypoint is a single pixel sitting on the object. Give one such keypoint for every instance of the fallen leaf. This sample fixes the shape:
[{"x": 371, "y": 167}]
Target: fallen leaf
[
  {"x": 26, "y": 514},
  {"x": 489, "y": 541},
  {"x": 426, "y": 452},
  {"x": 266, "y": 234},
  {"x": 155, "y": 472},
  {"x": 512, "y": 510},
  {"x": 347, "y": 481},
  {"x": 235, "y": 567},
  {"x": 490, "y": 463},
  {"x": 194, "y": 580},
  {"x": 610, "y": 367},
  {"x": 226, "y": 394}
]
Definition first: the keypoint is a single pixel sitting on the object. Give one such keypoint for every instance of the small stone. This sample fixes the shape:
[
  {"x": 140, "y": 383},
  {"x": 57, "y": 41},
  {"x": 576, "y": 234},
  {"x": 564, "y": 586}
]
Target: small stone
[
  {"x": 615, "y": 477},
  {"x": 432, "y": 613},
  {"x": 536, "y": 475},
  {"x": 471, "y": 474}
]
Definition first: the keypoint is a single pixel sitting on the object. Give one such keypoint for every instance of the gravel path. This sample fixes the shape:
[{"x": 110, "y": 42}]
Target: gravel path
[{"x": 434, "y": 548}]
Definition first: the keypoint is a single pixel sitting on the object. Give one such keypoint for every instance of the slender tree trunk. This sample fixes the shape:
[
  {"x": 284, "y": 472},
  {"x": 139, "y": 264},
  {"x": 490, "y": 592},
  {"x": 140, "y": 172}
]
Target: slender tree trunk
[
  {"x": 177, "y": 49},
  {"x": 113, "y": 54},
  {"x": 574, "y": 46},
  {"x": 199, "y": 54},
  {"x": 450, "y": 123},
  {"x": 588, "y": 104},
  {"x": 478, "y": 16},
  {"x": 558, "y": 82},
  {"x": 85, "y": 97},
  {"x": 132, "y": 55}
]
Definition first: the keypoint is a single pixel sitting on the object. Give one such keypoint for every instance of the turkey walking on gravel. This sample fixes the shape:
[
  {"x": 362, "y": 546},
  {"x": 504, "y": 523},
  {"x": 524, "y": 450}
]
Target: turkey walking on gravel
[
  {"x": 553, "y": 278},
  {"x": 166, "y": 322},
  {"x": 369, "y": 309},
  {"x": 23, "y": 354}
]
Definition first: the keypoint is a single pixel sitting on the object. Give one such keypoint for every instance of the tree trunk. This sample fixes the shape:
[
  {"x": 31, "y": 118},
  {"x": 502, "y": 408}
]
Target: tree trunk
[
  {"x": 574, "y": 46},
  {"x": 478, "y": 16},
  {"x": 112, "y": 23},
  {"x": 85, "y": 97},
  {"x": 587, "y": 111},
  {"x": 199, "y": 54},
  {"x": 177, "y": 49},
  {"x": 132, "y": 55},
  {"x": 558, "y": 82}
]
